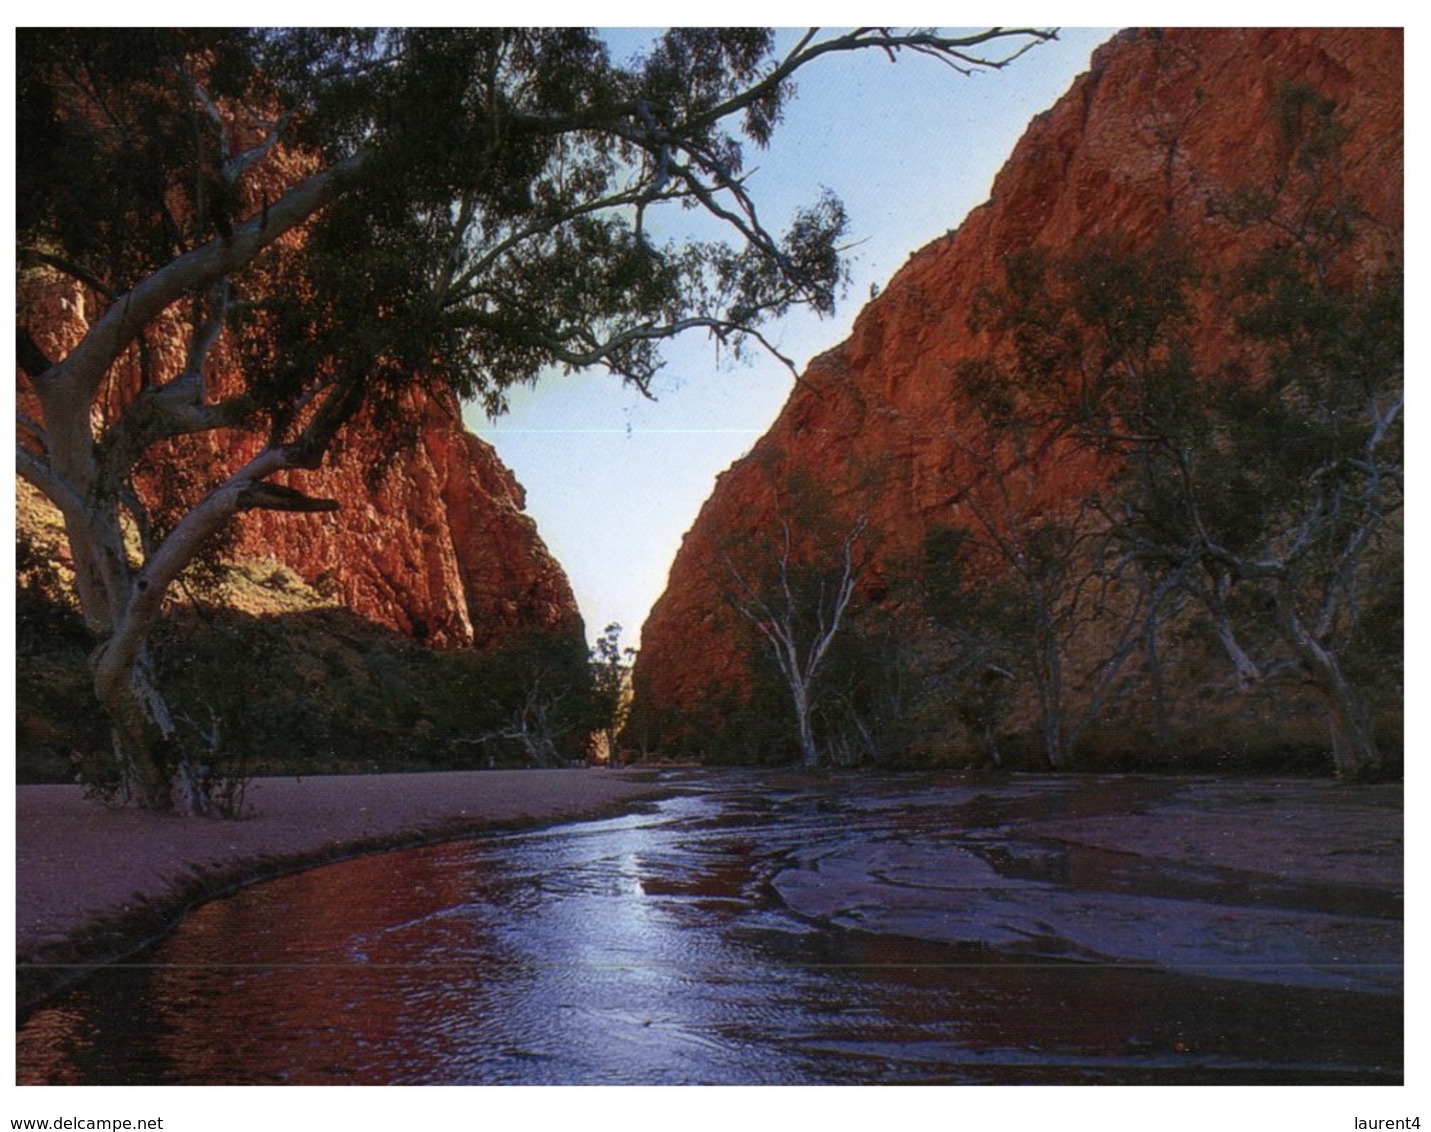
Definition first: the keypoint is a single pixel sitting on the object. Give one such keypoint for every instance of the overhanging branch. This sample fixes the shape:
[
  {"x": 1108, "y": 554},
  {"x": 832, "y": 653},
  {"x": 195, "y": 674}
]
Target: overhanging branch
[
  {"x": 127, "y": 316},
  {"x": 277, "y": 497},
  {"x": 950, "y": 49}
]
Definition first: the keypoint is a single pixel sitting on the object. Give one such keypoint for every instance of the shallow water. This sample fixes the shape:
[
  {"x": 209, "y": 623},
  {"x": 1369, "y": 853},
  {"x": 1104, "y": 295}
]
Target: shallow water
[{"x": 765, "y": 930}]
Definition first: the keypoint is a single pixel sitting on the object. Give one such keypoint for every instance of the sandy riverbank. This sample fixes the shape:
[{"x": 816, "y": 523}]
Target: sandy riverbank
[{"x": 93, "y": 883}]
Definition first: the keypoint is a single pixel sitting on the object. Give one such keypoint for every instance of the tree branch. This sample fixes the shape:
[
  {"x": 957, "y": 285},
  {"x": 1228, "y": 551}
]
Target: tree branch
[
  {"x": 58, "y": 490},
  {"x": 626, "y": 198},
  {"x": 235, "y": 166},
  {"x": 207, "y": 334},
  {"x": 948, "y": 49},
  {"x": 78, "y": 272},
  {"x": 33, "y": 427},
  {"x": 160, "y": 413},
  {"x": 171, "y": 556},
  {"x": 600, "y": 352},
  {"x": 108, "y": 336},
  {"x": 277, "y": 497}
]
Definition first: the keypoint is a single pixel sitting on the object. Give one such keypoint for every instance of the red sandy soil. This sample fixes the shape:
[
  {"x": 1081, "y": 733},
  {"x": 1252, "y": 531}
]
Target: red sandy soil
[{"x": 94, "y": 882}]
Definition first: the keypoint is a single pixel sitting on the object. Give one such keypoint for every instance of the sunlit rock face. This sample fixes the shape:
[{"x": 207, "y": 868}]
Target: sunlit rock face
[
  {"x": 438, "y": 546},
  {"x": 431, "y": 537},
  {"x": 1162, "y": 125}
]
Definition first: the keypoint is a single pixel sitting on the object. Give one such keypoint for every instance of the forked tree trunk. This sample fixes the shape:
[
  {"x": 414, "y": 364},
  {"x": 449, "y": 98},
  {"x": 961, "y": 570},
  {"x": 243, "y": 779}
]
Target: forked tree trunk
[
  {"x": 778, "y": 620},
  {"x": 119, "y": 605},
  {"x": 141, "y": 727},
  {"x": 123, "y": 607}
]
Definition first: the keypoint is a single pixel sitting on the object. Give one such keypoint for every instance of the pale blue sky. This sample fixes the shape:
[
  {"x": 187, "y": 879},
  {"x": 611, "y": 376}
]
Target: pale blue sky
[{"x": 614, "y": 480}]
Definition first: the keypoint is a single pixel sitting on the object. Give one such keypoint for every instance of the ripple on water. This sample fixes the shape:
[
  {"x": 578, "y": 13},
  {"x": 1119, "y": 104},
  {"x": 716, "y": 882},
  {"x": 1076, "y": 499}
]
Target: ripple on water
[{"x": 851, "y": 931}]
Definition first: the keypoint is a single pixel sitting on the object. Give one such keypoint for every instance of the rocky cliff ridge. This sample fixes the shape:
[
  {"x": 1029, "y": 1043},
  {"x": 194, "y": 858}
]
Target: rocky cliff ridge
[{"x": 1162, "y": 125}]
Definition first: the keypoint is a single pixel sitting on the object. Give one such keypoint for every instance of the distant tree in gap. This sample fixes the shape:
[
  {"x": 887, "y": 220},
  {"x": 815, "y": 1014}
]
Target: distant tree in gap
[{"x": 611, "y": 687}]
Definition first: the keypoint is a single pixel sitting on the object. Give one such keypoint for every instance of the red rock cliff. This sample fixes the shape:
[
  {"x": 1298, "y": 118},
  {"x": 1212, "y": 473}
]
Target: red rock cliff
[
  {"x": 438, "y": 546},
  {"x": 1161, "y": 124}
]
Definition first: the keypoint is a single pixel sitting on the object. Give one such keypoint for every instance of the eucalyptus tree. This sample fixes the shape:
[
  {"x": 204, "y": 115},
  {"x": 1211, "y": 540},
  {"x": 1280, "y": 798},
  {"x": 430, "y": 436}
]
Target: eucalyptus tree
[
  {"x": 1029, "y": 591},
  {"x": 537, "y": 694},
  {"x": 796, "y": 593},
  {"x": 339, "y": 215},
  {"x": 611, "y": 687}
]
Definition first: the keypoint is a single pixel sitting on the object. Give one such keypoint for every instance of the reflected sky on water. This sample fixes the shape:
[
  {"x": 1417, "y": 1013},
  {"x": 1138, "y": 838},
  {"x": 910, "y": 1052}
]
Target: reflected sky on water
[{"x": 758, "y": 929}]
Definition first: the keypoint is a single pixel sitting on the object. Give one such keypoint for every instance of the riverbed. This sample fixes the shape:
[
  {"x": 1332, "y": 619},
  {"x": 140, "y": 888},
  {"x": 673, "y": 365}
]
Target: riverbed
[{"x": 781, "y": 929}]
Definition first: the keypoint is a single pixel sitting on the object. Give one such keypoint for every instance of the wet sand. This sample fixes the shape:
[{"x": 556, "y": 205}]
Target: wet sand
[{"x": 94, "y": 883}]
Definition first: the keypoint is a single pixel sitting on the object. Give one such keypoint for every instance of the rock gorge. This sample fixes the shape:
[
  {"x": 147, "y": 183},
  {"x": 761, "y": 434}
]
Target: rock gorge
[{"x": 1162, "y": 126}]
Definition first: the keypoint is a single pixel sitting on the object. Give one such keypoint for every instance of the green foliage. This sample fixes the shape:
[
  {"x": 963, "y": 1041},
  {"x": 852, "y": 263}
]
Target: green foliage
[
  {"x": 534, "y": 700},
  {"x": 990, "y": 624},
  {"x": 610, "y": 689},
  {"x": 102, "y": 189},
  {"x": 864, "y": 714},
  {"x": 495, "y": 199},
  {"x": 859, "y": 694},
  {"x": 795, "y": 588},
  {"x": 741, "y": 727},
  {"x": 502, "y": 191},
  {"x": 311, "y": 693},
  {"x": 1096, "y": 342}
]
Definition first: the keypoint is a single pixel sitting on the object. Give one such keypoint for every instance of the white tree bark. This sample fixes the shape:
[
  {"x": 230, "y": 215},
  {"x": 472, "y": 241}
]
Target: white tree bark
[
  {"x": 118, "y": 603},
  {"x": 778, "y": 618}
]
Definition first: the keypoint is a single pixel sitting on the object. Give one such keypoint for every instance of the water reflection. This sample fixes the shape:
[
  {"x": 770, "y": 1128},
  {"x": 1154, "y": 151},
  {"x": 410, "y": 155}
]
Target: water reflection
[{"x": 919, "y": 930}]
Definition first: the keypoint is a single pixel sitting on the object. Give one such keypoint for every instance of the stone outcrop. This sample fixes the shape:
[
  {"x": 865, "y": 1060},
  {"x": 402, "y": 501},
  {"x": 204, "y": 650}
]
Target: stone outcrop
[
  {"x": 1162, "y": 125},
  {"x": 431, "y": 539},
  {"x": 437, "y": 544}
]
